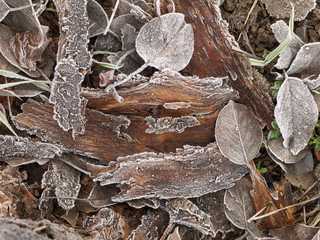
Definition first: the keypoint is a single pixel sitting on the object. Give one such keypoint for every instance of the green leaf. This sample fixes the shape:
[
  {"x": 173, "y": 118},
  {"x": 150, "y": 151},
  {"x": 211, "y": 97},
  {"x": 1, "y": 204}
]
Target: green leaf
[
  {"x": 263, "y": 170},
  {"x": 274, "y": 134},
  {"x": 275, "y": 93},
  {"x": 274, "y": 124},
  {"x": 4, "y": 120},
  {"x": 318, "y": 145},
  {"x": 277, "y": 85}
]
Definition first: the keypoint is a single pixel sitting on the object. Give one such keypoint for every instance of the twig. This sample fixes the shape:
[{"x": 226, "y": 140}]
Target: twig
[
  {"x": 284, "y": 208},
  {"x": 111, "y": 18},
  {"x": 248, "y": 16},
  {"x": 308, "y": 190}
]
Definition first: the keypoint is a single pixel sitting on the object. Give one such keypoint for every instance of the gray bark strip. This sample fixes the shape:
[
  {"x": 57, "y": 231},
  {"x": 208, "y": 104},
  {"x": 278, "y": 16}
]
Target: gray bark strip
[{"x": 73, "y": 61}]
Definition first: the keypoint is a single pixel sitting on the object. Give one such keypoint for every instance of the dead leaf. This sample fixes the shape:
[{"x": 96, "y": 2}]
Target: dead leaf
[
  {"x": 190, "y": 172},
  {"x": 166, "y": 42},
  {"x": 282, "y": 153},
  {"x": 98, "y": 18},
  {"x": 152, "y": 226},
  {"x": 307, "y": 61},
  {"x": 238, "y": 133},
  {"x": 5, "y": 35},
  {"x": 239, "y": 204},
  {"x": 184, "y": 212},
  {"x": 282, "y": 8},
  {"x": 61, "y": 181},
  {"x": 296, "y": 114},
  {"x": 296, "y": 232},
  {"x": 280, "y": 30},
  {"x": 28, "y": 48}
]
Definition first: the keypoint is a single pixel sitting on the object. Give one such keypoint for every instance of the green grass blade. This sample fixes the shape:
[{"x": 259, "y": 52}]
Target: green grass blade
[
  {"x": 280, "y": 48},
  {"x": 104, "y": 52},
  {"x": 4, "y": 120},
  {"x": 108, "y": 65},
  {"x": 41, "y": 84}
]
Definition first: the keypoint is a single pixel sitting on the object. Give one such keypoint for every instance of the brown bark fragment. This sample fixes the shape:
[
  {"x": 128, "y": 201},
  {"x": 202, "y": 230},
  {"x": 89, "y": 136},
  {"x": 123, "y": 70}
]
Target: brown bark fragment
[
  {"x": 214, "y": 55},
  {"x": 102, "y": 140},
  {"x": 262, "y": 197},
  {"x": 190, "y": 172}
]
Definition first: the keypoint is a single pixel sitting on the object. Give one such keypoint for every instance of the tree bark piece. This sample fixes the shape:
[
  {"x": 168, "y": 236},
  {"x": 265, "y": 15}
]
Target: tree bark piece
[
  {"x": 190, "y": 172},
  {"x": 214, "y": 55},
  {"x": 73, "y": 62},
  {"x": 111, "y": 134}
]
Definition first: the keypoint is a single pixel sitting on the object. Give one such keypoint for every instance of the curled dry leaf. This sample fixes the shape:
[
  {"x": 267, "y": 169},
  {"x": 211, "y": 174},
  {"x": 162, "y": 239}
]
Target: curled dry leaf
[
  {"x": 62, "y": 181},
  {"x": 184, "y": 212},
  {"x": 239, "y": 204},
  {"x": 166, "y": 42},
  {"x": 280, "y": 30},
  {"x": 307, "y": 61},
  {"x": 282, "y": 8},
  {"x": 190, "y": 172},
  {"x": 296, "y": 114},
  {"x": 28, "y": 48},
  {"x": 152, "y": 226},
  {"x": 282, "y": 153},
  {"x": 5, "y": 35},
  {"x": 238, "y": 133},
  {"x": 106, "y": 223}
]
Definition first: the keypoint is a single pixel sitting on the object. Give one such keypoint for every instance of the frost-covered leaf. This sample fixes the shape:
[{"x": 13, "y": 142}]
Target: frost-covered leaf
[
  {"x": 307, "y": 61},
  {"x": 98, "y": 18},
  {"x": 28, "y": 48},
  {"x": 166, "y": 42},
  {"x": 313, "y": 85},
  {"x": 296, "y": 114},
  {"x": 282, "y": 153},
  {"x": 4, "y": 120},
  {"x": 139, "y": 8},
  {"x": 304, "y": 165},
  {"x": 5, "y": 35},
  {"x": 280, "y": 30},
  {"x": 62, "y": 181},
  {"x": 152, "y": 226},
  {"x": 239, "y": 204},
  {"x": 119, "y": 22},
  {"x": 238, "y": 133},
  {"x": 282, "y": 8},
  {"x": 190, "y": 172},
  {"x": 184, "y": 212},
  {"x": 297, "y": 231},
  {"x": 4, "y": 10}
]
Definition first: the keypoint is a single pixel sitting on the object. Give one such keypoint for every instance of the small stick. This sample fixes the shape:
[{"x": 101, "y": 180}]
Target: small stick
[
  {"x": 248, "y": 16},
  {"x": 308, "y": 190},
  {"x": 112, "y": 16},
  {"x": 284, "y": 208}
]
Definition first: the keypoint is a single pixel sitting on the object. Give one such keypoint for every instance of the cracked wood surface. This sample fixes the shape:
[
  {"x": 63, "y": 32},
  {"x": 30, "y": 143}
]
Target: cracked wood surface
[
  {"x": 114, "y": 130},
  {"x": 214, "y": 55}
]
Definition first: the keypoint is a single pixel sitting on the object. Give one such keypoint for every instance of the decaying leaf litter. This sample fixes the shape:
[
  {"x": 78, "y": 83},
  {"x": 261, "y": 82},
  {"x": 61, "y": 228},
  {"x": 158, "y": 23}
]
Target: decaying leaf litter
[{"x": 122, "y": 133}]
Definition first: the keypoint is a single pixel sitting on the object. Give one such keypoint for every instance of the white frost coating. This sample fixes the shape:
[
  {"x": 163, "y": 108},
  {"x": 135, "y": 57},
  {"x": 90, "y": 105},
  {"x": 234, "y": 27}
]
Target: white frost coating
[
  {"x": 307, "y": 60},
  {"x": 296, "y": 114},
  {"x": 169, "y": 124},
  {"x": 73, "y": 61},
  {"x": 166, "y": 42},
  {"x": 176, "y": 105},
  {"x": 282, "y": 8}
]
